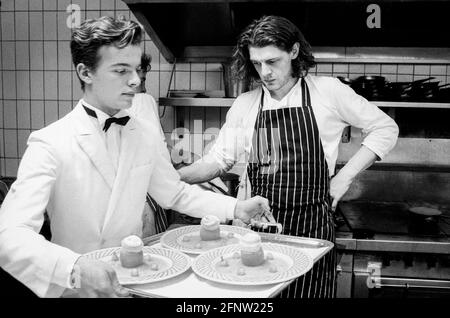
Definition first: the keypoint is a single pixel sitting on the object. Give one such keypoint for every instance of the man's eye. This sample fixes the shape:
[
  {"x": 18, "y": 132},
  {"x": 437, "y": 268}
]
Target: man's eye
[
  {"x": 255, "y": 63},
  {"x": 121, "y": 71}
]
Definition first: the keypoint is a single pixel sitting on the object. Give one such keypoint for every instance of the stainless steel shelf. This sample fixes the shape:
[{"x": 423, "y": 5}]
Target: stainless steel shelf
[
  {"x": 227, "y": 102},
  {"x": 196, "y": 102},
  {"x": 411, "y": 104}
]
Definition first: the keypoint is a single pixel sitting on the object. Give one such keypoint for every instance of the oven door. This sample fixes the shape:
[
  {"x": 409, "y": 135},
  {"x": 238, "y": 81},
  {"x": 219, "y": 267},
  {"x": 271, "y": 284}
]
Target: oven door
[{"x": 367, "y": 285}]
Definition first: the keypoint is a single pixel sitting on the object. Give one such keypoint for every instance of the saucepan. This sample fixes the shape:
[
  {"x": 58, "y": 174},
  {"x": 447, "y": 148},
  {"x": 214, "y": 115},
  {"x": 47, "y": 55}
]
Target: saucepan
[
  {"x": 426, "y": 91},
  {"x": 444, "y": 95},
  {"x": 397, "y": 91},
  {"x": 371, "y": 87}
]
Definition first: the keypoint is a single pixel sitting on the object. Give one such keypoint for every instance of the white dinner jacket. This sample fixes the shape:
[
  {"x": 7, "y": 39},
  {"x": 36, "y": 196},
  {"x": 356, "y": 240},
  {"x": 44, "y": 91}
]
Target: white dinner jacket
[{"x": 67, "y": 172}]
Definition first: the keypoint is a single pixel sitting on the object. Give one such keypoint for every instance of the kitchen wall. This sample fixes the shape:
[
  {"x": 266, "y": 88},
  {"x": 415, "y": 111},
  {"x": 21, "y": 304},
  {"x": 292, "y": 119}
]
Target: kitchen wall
[{"x": 38, "y": 84}]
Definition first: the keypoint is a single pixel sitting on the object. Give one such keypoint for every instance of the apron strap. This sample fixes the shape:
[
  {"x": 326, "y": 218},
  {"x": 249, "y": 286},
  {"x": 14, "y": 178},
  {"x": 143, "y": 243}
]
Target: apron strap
[
  {"x": 161, "y": 222},
  {"x": 306, "y": 98}
]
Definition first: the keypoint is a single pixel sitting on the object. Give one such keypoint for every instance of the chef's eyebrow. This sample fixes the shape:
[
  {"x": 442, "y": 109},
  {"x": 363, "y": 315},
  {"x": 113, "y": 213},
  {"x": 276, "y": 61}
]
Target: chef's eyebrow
[{"x": 273, "y": 59}]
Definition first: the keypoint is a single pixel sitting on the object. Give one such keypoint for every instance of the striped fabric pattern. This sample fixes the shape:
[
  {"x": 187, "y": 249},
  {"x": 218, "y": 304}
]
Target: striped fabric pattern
[
  {"x": 287, "y": 166},
  {"x": 161, "y": 222}
]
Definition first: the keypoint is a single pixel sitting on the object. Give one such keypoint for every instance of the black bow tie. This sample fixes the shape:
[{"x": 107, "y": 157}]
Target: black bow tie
[{"x": 120, "y": 121}]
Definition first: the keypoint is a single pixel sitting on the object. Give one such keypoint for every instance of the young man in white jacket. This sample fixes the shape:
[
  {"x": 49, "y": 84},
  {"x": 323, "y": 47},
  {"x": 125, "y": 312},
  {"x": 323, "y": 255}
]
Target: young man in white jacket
[{"x": 91, "y": 171}]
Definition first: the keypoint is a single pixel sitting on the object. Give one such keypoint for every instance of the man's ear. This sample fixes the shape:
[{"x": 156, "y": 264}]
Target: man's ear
[
  {"x": 84, "y": 73},
  {"x": 295, "y": 50}
]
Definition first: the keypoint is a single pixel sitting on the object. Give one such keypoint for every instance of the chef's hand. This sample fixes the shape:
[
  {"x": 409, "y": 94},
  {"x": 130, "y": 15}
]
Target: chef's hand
[
  {"x": 254, "y": 207},
  {"x": 339, "y": 185},
  {"x": 97, "y": 279}
]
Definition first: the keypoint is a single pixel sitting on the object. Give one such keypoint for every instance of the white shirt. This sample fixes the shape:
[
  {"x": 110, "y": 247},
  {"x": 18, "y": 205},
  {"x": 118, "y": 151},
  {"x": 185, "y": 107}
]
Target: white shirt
[
  {"x": 112, "y": 137},
  {"x": 335, "y": 106},
  {"x": 144, "y": 107}
]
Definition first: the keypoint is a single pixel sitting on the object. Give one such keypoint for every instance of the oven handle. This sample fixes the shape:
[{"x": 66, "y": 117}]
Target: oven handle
[{"x": 378, "y": 282}]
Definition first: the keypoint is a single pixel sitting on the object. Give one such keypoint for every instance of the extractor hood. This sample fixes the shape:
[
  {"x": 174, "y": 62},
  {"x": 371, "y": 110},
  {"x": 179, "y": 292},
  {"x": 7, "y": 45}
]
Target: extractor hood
[{"x": 201, "y": 30}]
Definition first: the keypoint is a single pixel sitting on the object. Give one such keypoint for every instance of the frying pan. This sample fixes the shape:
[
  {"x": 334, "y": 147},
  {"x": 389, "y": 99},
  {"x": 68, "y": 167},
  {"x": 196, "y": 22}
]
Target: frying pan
[
  {"x": 397, "y": 91},
  {"x": 426, "y": 91}
]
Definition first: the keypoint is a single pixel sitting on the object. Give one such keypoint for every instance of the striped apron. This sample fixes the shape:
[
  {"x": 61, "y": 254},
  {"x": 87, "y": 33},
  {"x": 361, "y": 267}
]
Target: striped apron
[
  {"x": 288, "y": 167},
  {"x": 161, "y": 222}
]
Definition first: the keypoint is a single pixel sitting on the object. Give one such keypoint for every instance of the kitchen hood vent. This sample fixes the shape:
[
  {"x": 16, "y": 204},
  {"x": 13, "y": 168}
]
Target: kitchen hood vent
[{"x": 206, "y": 31}]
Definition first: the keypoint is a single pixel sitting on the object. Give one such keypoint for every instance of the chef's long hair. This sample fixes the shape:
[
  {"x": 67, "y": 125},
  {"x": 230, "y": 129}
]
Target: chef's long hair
[{"x": 271, "y": 30}]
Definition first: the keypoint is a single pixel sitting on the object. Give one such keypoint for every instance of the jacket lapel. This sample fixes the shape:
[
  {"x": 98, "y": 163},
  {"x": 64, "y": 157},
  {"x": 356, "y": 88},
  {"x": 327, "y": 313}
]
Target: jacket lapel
[
  {"x": 92, "y": 144},
  {"x": 130, "y": 141}
]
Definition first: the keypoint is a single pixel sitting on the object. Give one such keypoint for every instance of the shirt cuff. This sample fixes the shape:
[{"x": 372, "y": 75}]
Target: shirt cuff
[
  {"x": 231, "y": 206},
  {"x": 64, "y": 267},
  {"x": 213, "y": 157},
  {"x": 380, "y": 155}
]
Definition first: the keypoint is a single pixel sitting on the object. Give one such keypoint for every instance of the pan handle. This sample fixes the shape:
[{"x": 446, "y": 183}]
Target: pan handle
[{"x": 423, "y": 80}]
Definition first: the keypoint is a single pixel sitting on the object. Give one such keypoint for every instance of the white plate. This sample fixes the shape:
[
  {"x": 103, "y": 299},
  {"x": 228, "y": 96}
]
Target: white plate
[
  {"x": 290, "y": 263},
  {"x": 187, "y": 238},
  {"x": 170, "y": 263}
]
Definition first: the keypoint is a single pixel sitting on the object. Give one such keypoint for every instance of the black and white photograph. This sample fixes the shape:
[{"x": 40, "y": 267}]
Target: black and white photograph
[{"x": 228, "y": 156}]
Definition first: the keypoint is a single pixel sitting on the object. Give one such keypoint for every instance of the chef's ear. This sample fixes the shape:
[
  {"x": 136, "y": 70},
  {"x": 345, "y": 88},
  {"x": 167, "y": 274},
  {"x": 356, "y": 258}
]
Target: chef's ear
[
  {"x": 294, "y": 51},
  {"x": 84, "y": 73}
]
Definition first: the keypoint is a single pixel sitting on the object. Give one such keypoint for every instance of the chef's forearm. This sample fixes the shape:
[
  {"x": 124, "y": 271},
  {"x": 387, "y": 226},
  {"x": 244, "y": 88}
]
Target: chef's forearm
[
  {"x": 360, "y": 161},
  {"x": 200, "y": 171}
]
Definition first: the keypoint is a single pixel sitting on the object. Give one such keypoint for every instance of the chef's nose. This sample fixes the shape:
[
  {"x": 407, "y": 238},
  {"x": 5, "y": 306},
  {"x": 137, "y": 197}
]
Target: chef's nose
[
  {"x": 265, "y": 70},
  {"x": 134, "y": 79}
]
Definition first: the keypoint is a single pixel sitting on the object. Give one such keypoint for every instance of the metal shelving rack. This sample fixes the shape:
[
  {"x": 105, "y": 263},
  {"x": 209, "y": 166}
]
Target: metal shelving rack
[{"x": 227, "y": 102}]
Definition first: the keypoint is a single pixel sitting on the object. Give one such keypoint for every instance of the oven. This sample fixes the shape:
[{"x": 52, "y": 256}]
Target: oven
[
  {"x": 401, "y": 275},
  {"x": 382, "y": 254}
]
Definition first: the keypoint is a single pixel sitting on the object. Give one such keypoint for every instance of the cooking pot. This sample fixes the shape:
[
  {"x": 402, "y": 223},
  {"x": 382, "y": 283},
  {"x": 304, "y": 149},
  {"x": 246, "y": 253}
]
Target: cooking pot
[
  {"x": 443, "y": 95},
  {"x": 345, "y": 80},
  {"x": 397, "y": 91},
  {"x": 232, "y": 85},
  {"x": 371, "y": 87},
  {"x": 371, "y": 79}
]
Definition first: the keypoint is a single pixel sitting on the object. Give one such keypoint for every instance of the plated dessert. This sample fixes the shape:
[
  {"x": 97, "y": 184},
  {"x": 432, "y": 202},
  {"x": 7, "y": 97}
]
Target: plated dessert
[
  {"x": 196, "y": 239},
  {"x": 252, "y": 262},
  {"x": 252, "y": 253},
  {"x": 251, "y": 259},
  {"x": 208, "y": 235},
  {"x": 135, "y": 263},
  {"x": 131, "y": 254},
  {"x": 210, "y": 228}
]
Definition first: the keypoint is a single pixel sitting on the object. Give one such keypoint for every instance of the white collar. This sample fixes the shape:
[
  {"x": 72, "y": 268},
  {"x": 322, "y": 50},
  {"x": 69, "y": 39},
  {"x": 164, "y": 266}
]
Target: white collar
[
  {"x": 101, "y": 115},
  {"x": 286, "y": 97}
]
